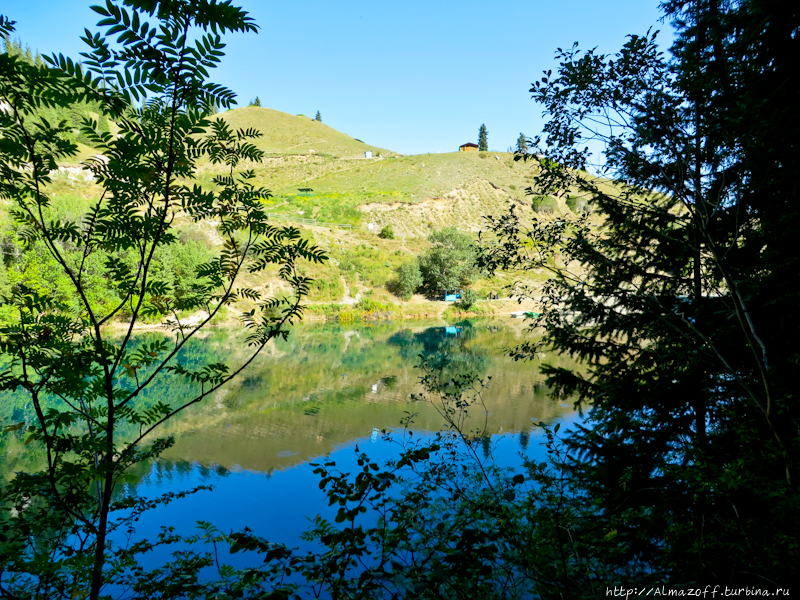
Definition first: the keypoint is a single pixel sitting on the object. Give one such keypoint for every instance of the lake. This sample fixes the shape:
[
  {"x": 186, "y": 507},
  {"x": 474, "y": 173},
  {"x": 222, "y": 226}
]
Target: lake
[{"x": 327, "y": 389}]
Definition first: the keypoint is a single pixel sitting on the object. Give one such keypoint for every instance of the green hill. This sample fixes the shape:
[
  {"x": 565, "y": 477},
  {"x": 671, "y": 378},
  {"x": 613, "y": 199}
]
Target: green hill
[
  {"x": 316, "y": 172},
  {"x": 414, "y": 194},
  {"x": 296, "y": 134}
]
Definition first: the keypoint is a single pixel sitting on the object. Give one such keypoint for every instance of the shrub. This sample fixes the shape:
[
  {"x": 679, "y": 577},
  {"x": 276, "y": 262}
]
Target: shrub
[
  {"x": 368, "y": 305},
  {"x": 544, "y": 204},
  {"x": 578, "y": 205},
  {"x": 468, "y": 298},
  {"x": 387, "y": 233}
]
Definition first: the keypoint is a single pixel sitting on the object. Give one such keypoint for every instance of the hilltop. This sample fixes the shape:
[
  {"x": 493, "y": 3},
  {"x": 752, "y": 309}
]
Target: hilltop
[
  {"x": 414, "y": 194},
  {"x": 283, "y": 133}
]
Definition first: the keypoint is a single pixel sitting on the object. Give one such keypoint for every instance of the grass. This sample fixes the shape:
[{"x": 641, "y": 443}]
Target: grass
[
  {"x": 415, "y": 178},
  {"x": 413, "y": 194},
  {"x": 295, "y": 134}
]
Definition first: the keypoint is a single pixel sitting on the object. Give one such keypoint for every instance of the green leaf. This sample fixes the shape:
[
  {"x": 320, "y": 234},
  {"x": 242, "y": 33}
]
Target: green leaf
[{"x": 16, "y": 427}]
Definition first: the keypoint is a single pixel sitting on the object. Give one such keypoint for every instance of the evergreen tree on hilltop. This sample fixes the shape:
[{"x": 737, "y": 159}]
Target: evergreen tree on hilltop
[
  {"x": 318, "y": 117},
  {"x": 14, "y": 48},
  {"x": 11, "y": 47},
  {"x": 522, "y": 144},
  {"x": 256, "y": 102},
  {"x": 483, "y": 145}
]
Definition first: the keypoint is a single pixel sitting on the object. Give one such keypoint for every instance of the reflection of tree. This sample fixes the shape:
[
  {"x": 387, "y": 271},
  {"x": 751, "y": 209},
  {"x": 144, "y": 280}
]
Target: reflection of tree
[
  {"x": 171, "y": 389},
  {"x": 317, "y": 383},
  {"x": 327, "y": 399},
  {"x": 452, "y": 341},
  {"x": 169, "y": 470},
  {"x": 486, "y": 445}
]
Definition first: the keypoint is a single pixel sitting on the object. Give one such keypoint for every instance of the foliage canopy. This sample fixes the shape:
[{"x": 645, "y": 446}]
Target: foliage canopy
[
  {"x": 449, "y": 263},
  {"x": 83, "y": 380},
  {"x": 682, "y": 307}
]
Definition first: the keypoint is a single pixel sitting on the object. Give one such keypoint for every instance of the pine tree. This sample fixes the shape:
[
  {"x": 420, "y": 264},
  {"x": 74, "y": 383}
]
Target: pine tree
[
  {"x": 522, "y": 144},
  {"x": 12, "y": 47},
  {"x": 318, "y": 117},
  {"x": 256, "y": 102},
  {"x": 483, "y": 145},
  {"x": 684, "y": 313}
]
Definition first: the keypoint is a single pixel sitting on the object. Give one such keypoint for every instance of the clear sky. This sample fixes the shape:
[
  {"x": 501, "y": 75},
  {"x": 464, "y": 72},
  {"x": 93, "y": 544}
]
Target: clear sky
[{"x": 413, "y": 76}]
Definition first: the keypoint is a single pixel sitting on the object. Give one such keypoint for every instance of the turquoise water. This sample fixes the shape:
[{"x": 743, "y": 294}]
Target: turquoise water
[{"x": 326, "y": 390}]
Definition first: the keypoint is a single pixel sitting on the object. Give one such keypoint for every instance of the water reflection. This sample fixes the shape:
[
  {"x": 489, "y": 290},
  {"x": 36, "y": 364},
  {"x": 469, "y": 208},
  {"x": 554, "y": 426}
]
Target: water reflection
[
  {"x": 319, "y": 393},
  {"x": 324, "y": 387},
  {"x": 328, "y": 385}
]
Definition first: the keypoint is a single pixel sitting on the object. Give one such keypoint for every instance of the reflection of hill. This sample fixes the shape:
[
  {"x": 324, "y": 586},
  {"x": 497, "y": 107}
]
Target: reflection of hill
[
  {"x": 334, "y": 384},
  {"x": 331, "y": 384}
]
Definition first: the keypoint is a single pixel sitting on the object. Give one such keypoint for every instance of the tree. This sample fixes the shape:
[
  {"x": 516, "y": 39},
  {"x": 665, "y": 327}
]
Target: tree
[
  {"x": 449, "y": 263},
  {"x": 522, "y": 144},
  {"x": 681, "y": 309},
  {"x": 318, "y": 117},
  {"x": 408, "y": 280},
  {"x": 84, "y": 383},
  {"x": 468, "y": 299},
  {"x": 256, "y": 102},
  {"x": 483, "y": 145},
  {"x": 72, "y": 115}
]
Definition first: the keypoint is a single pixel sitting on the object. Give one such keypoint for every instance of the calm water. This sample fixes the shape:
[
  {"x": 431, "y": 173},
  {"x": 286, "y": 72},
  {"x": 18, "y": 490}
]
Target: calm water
[{"x": 319, "y": 394}]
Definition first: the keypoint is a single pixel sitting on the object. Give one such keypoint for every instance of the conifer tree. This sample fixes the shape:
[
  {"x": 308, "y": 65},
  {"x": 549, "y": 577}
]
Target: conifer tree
[
  {"x": 483, "y": 145},
  {"x": 318, "y": 117},
  {"x": 522, "y": 144},
  {"x": 683, "y": 312}
]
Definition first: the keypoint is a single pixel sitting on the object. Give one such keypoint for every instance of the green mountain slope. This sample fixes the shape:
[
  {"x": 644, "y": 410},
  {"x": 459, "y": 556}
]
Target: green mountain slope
[
  {"x": 289, "y": 134},
  {"x": 336, "y": 184},
  {"x": 414, "y": 178},
  {"x": 414, "y": 194}
]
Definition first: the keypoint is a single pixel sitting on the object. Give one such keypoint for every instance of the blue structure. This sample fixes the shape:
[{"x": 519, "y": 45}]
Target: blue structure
[{"x": 452, "y": 296}]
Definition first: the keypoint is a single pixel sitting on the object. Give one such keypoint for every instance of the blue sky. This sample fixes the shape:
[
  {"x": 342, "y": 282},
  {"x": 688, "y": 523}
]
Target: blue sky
[{"x": 413, "y": 76}]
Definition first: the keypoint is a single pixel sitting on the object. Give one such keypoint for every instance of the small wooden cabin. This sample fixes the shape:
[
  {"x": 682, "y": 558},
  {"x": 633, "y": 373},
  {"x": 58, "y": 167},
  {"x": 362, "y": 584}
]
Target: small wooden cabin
[{"x": 468, "y": 147}]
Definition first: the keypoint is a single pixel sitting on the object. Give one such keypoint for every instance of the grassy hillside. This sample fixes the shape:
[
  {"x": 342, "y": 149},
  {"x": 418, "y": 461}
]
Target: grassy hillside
[
  {"x": 413, "y": 194},
  {"x": 414, "y": 178},
  {"x": 296, "y": 134}
]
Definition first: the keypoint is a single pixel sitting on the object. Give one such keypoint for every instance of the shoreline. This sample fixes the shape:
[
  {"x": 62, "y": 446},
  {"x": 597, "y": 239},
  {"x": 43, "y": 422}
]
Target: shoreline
[{"x": 349, "y": 313}]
